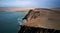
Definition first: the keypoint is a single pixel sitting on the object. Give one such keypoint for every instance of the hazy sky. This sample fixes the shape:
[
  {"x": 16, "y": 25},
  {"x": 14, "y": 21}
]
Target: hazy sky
[{"x": 30, "y": 3}]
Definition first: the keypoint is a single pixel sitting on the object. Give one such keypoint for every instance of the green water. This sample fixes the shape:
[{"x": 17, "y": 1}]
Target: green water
[{"x": 9, "y": 21}]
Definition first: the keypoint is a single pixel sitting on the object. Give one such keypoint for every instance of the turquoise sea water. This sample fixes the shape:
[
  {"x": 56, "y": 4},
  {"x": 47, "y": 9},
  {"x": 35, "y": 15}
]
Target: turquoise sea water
[{"x": 9, "y": 21}]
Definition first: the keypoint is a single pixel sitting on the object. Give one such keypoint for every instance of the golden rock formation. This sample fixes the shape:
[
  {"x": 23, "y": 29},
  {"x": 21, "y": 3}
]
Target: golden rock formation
[{"x": 44, "y": 18}]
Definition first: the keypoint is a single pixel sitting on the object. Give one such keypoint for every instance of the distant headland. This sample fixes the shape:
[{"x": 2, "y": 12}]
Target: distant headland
[
  {"x": 14, "y": 9},
  {"x": 23, "y": 9}
]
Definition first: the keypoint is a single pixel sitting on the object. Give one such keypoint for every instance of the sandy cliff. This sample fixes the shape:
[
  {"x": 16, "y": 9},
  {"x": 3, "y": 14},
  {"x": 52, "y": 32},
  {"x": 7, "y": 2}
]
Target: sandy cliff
[{"x": 45, "y": 18}]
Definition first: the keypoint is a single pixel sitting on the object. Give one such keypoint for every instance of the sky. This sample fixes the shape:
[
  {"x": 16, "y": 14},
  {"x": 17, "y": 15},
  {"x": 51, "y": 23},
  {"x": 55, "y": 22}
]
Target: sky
[{"x": 30, "y": 3}]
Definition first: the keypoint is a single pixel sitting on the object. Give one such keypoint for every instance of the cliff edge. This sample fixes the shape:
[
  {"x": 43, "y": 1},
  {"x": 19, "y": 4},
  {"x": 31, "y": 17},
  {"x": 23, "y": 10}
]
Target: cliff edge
[{"x": 44, "y": 18}]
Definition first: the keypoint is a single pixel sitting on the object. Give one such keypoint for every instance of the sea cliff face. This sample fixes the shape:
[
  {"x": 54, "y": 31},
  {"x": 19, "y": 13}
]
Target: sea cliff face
[
  {"x": 29, "y": 29},
  {"x": 41, "y": 20},
  {"x": 43, "y": 17}
]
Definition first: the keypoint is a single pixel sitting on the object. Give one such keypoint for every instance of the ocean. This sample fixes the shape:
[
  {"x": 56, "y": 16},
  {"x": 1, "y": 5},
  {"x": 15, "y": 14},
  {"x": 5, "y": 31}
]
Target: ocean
[{"x": 9, "y": 21}]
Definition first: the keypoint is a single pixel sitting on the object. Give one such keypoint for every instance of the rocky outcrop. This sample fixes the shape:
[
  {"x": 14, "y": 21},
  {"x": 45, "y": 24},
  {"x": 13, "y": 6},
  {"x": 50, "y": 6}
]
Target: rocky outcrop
[
  {"x": 41, "y": 20},
  {"x": 26, "y": 17},
  {"x": 41, "y": 17},
  {"x": 41, "y": 12}
]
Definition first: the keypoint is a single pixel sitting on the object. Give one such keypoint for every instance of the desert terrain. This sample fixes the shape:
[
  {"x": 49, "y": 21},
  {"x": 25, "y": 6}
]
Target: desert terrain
[{"x": 45, "y": 18}]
